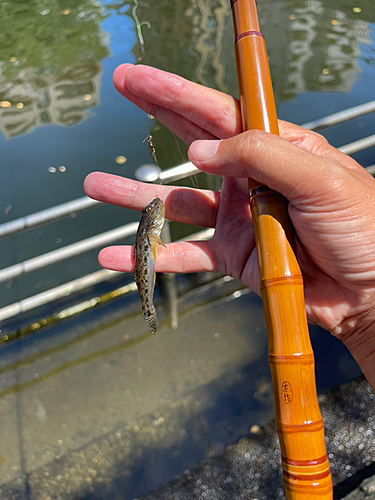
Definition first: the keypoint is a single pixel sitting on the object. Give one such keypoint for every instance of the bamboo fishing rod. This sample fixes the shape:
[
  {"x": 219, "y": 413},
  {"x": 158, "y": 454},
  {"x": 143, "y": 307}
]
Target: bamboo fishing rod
[{"x": 299, "y": 423}]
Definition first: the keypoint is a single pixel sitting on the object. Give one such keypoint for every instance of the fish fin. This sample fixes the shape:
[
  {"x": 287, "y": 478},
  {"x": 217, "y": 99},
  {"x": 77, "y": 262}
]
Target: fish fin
[
  {"x": 152, "y": 276},
  {"x": 156, "y": 240}
]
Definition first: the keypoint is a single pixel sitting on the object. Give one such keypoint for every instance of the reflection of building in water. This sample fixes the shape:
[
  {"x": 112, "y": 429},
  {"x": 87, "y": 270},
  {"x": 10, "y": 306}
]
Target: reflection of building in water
[
  {"x": 333, "y": 41},
  {"x": 190, "y": 38},
  {"x": 63, "y": 99},
  {"x": 322, "y": 47},
  {"x": 208, "y": 24},
  {"x": 310, "y": 47}
]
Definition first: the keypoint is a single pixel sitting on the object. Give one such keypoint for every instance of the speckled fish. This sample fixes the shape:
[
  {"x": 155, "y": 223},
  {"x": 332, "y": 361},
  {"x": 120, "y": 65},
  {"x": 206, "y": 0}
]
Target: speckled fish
[{"x": 145, "y": 249}]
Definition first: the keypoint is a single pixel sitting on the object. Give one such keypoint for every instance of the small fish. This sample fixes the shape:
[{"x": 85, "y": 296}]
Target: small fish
[{"x": 145, "y": 249}]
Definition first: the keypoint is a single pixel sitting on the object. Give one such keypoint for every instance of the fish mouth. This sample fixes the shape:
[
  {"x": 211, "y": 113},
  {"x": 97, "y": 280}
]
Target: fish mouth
[{"x": 156, "y": 202}]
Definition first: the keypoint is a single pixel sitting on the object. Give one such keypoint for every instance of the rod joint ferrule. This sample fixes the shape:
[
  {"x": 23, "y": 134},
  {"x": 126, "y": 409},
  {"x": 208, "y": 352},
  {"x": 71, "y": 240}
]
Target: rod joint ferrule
[{"x": 244, "y": 34}]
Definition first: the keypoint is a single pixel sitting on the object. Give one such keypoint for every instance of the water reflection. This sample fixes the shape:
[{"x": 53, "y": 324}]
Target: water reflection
[
  {"x": 187, "y": 37},
  {"x": 51, "y": 71},
  {"x": 315, "y": 45},
  {"x": 324, "y": 49},
  {"x": 62, "y": 100},
  {"x": 208, "y": 25}
]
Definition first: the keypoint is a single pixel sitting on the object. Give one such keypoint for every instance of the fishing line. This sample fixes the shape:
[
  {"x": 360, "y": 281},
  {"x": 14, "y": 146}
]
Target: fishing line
[{"x": 193, "y": 177}]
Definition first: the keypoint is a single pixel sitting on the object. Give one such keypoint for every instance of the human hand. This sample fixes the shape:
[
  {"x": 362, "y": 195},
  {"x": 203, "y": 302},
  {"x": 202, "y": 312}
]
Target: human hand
[{"x": 331, "y": 203}]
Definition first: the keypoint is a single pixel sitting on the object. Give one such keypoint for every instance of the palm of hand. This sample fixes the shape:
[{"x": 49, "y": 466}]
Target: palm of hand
[{"x": 232, "y": 247}]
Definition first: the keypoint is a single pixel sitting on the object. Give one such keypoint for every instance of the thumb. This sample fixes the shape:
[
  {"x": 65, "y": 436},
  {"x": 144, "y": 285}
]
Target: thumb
[{"x": 294, "y": 172}]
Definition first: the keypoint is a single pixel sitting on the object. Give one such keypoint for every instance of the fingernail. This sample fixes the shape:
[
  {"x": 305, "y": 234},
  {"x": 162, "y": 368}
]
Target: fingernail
[{"x": 204, "y": 150}]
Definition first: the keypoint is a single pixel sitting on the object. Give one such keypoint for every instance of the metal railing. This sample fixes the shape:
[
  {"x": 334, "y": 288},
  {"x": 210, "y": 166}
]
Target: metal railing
[
  {"x": 49, "y": 215},
  {"x": 109, "y": 237},
  {"x": 78, "y": 284},
  {"x": 181, "y": 172},
  {"x": 341, "y": 116},
  {"x": 68, "y": 251},
  {"x": 84, "y": 203},
  {"x": 356, "y": 146},
  {"x": 55, "y": 293}
]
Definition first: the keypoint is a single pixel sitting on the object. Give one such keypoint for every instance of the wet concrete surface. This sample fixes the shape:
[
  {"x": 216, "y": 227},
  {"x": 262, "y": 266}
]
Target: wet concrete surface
[
  {"x": 99, "y": 409},
  {"x": 251, "y": 468}
]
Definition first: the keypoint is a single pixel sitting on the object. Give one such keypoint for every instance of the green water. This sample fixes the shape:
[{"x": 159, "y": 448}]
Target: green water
[{"x": 66, "y": 120}]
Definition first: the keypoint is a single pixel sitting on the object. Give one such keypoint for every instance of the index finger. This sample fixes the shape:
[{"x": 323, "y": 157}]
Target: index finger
[{"x": 158, "y": 92}]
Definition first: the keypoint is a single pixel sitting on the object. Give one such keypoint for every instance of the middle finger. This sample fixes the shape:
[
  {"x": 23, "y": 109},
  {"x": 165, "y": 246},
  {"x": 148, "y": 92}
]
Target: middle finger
[{"x": 182, "y": 204}]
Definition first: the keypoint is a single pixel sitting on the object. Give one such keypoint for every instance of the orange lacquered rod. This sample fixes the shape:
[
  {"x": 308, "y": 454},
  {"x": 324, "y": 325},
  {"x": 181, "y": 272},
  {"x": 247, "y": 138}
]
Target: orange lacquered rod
[{"x": 299, "y": 423}]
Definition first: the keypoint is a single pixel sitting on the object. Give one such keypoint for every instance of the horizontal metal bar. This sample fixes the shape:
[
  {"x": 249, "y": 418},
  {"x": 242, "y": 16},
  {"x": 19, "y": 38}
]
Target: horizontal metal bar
[
  {"x": 177, "y": 173},
  {"x": 72, "y": 207},
  {"x": 68, "y": 251},
  {"x": 174, "y": 174},
  {"x": 170, "y": 175},
  {"x": 187, "y": 169},
  {"x": 118, "y": 233},
  {"x": 341, "y": 116},
  {"x": 86, "y": 281},
  {"x": 360, "y": 145},
  {"x": 55, "y": 293},
  {"x": 48, "y": 215},
  {"x": 76, "y": 285},
  {"x": 371, "y": 169}
]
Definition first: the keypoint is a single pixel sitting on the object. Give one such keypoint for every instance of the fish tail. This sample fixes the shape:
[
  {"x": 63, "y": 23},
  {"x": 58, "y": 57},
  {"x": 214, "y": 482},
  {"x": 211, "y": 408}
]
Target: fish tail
[{"x": 150, "y": 317}]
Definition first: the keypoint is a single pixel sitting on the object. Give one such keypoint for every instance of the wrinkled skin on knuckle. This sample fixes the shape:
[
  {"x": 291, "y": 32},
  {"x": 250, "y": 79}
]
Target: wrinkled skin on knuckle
[
  {"x": 314, "y": 142},
  {"x": 248, "y": 147},
  {"x": 229, "y": 116},
  {"x": 308, "y": 140}
]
